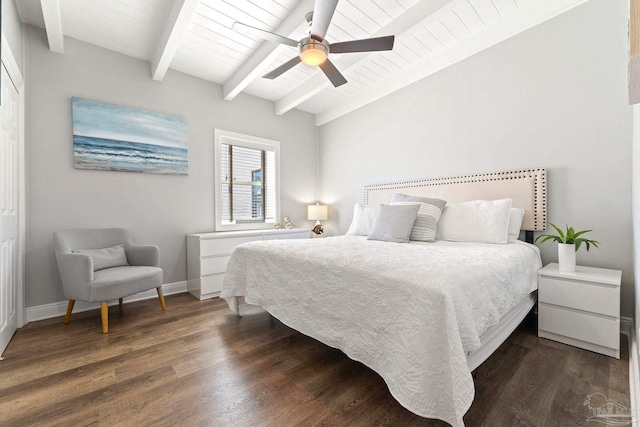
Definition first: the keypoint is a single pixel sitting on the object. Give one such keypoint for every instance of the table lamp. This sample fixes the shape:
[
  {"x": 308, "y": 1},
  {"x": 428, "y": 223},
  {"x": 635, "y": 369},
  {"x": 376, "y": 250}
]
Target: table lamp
[{"x": 317, "y": 213}]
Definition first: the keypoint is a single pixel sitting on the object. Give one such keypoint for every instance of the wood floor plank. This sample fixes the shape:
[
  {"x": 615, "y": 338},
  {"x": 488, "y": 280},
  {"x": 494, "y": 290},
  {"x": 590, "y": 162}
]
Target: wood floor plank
[
  {"x": 529, "y": 394},
  {"x": 197, "y": 364},
  {"x": 493, "y": 374}
]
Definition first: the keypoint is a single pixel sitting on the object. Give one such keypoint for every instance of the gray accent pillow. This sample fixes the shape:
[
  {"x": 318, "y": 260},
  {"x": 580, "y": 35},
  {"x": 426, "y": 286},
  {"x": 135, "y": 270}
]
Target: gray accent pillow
[
  {"x": 394, "y": 223},
  {"x": 426, "y": 225},
  {"x": 105, "y": 258}
]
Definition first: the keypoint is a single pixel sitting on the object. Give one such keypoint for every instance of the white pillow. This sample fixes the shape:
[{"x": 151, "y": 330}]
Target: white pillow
[
  {"x": 362, "y": 222},
  {"x": 515, "y": 223},
  {"x": 482, "y": 221}
]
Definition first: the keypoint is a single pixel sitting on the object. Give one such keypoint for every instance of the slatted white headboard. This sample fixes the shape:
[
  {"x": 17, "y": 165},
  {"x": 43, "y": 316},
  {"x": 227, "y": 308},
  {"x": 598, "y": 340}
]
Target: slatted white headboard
[{"x": 527, "y": 188}]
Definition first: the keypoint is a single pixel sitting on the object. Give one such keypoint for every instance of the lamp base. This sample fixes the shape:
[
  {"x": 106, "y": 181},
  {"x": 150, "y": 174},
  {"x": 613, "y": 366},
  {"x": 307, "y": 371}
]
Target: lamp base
[{"x": 318, "y": 228}]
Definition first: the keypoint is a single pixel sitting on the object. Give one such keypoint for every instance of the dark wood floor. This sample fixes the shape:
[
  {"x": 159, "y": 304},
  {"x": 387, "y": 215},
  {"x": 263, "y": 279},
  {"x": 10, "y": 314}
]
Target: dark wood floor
[{"x": 198, "y": 365}]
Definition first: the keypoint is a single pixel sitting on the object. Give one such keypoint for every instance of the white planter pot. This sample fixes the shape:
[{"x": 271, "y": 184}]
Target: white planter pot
[{"x": 566, "y": 257}]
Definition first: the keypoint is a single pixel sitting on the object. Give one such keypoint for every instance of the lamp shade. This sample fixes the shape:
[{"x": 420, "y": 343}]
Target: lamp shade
[{"x": 316, "y": 212}]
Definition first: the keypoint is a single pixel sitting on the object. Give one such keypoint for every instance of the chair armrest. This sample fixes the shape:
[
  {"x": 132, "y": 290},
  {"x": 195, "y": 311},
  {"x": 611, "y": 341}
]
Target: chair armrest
[
  {"x": 76, "y": 272},
  {"x": 142, "y": 255}
]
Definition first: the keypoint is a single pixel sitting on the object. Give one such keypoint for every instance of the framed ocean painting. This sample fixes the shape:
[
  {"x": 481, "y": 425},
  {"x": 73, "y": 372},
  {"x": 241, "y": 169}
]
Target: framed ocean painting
[{"x": 116, "y": 138}]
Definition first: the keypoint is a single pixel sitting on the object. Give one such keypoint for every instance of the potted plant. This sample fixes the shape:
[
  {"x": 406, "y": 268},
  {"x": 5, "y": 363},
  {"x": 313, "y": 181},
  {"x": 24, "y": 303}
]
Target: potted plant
[{"x": 568, "y": 244}]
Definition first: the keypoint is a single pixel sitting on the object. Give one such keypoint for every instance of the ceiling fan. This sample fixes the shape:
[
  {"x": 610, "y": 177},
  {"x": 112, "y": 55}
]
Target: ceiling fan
[{"x": 314, "y": 49}]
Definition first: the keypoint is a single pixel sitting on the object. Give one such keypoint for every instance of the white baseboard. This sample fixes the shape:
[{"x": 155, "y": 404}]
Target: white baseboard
[
  {"x": 628, "y": 328},
  {"x": 57, "y": 309}
]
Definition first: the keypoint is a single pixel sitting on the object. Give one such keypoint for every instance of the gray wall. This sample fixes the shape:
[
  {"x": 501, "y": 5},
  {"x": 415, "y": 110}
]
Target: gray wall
[
  {"x": 158, "y": 209},
  {"x": 12, "y": 29},
  {"x": 554, "y": 96}
]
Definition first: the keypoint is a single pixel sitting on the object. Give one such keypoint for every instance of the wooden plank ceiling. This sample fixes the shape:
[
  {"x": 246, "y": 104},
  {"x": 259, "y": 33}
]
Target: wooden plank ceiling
[{"x": 195, "y": 37}]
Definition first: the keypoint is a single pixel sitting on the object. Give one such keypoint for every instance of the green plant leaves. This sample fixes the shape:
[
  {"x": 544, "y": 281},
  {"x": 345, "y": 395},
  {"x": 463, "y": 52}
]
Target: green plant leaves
[
  {"x": 580, "y": 233},
  {"x": 569, "y": 237},
  {"x": 560, "y": 233},
  {"x": 548, "y": 237}
]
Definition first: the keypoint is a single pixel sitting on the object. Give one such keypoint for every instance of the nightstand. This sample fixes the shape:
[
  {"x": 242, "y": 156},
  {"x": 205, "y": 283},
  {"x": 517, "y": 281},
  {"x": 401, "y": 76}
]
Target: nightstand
[{"x": 581, "y": 309}]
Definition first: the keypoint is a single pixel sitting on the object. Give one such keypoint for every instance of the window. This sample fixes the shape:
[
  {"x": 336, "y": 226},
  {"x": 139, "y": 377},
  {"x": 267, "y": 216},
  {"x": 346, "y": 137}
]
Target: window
[{"x": 247, "y": 191}]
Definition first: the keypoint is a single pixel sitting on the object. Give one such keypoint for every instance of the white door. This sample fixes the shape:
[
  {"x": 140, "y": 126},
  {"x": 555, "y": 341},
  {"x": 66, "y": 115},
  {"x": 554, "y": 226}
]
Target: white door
[{"x": 9, "y": 115}]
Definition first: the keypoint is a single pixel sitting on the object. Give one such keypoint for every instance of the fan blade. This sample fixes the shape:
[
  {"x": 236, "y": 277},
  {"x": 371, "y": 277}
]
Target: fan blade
[
  {"x": 284, "y": 67},
  {"x": 332, "y": 73},
  {"x": 248, "y": 30},
  {"x": 365, "y": 45},
  {"x": 322, "y": 14}
]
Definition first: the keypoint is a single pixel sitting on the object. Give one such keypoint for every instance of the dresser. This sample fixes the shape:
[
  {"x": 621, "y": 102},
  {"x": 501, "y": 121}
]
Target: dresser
[
  {"x": 581, "y": 308},
  {"x": 208, "y": 254}
]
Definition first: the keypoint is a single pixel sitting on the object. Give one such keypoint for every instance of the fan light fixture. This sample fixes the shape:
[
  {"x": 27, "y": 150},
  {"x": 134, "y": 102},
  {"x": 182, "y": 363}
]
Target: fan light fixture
[
  {"x": 314, "y": 49},
  {"x": 313, "y": 52}
]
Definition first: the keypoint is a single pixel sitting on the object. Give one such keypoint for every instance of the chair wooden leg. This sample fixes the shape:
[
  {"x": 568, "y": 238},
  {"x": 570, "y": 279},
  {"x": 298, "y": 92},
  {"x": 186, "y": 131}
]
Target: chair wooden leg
[
  {"x": 161, "y": 298},
  {"x": 104, "y": 313},
  {"x": 69, "y": 310},
  {"x": 120, "y": 304}
]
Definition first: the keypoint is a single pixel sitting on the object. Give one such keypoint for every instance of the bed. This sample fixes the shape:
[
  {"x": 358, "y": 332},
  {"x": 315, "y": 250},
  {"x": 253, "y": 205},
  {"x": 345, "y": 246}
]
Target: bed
[{"x": 422, "y": 315}]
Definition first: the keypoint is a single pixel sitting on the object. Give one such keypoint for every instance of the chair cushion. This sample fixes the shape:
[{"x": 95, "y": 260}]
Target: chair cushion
[
  {"x": 119, "y": 282},
  {"x": 114, "y": 256}
]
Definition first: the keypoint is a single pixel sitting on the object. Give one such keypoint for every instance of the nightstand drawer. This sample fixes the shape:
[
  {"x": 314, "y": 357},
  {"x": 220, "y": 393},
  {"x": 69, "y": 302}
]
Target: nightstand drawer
[
  {"x": 214, "y": 265},
  {"x": 592, "y": 297},
  {"x": 585, "y": 327},
  {"x": 226, "y": 246}
]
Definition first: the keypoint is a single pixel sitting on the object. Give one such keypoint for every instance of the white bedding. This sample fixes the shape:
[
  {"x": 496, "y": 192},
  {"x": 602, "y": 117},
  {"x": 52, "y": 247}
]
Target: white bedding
[{"x": 408, "y": 311}]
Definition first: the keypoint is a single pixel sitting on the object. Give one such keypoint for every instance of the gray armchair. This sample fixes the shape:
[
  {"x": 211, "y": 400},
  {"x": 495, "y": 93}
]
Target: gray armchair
[{"x": 79, "y": 252}]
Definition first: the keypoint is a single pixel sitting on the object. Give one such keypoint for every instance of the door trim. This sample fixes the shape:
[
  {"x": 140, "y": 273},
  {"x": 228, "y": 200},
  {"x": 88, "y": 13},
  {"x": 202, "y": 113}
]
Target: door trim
[{"x": 10, "y": 64}]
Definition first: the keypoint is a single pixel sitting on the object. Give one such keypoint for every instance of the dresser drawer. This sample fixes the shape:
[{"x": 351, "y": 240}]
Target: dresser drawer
[
  {"x": 287, "y": 236},
  {"x": 209, "y": 253},
  {"x": 213, "y": 265},
  {"x": 585, "y": 327},
  {"x": 213, "y": 283},
  {"x": 224, "y": 246},
  {"x": 585, "y": 296}
]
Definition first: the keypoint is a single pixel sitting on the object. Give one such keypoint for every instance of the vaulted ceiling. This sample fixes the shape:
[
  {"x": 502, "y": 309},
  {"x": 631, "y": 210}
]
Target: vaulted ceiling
[{"x": 195, "y": 37}]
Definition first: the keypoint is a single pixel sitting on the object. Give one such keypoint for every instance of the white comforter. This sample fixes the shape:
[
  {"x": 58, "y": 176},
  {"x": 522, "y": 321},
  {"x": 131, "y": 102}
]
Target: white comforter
[{"x": 408, "y": 311}]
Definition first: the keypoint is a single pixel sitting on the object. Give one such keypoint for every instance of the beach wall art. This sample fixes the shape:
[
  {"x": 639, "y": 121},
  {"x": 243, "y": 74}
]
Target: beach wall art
[{"x": 116, "y": 138}]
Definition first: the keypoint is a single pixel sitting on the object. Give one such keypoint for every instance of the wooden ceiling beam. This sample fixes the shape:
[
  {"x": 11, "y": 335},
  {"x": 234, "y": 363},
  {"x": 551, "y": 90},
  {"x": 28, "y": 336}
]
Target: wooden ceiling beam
[
  {"x": 261, "y": 58},
  {"x": 53, "y": 24},
  {"x": 179, "y": 19}
]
